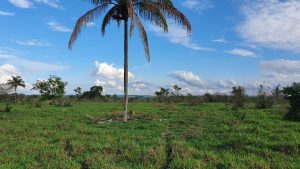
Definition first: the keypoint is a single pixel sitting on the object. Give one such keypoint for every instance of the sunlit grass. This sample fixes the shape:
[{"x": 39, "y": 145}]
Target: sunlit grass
[{"x": 164, "y": 136}]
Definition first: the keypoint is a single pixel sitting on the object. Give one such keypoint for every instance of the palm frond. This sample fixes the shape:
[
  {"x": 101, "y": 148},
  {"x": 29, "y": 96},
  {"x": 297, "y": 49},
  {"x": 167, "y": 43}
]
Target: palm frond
[
  {"x": 85, "y": 19},
  {"x": 174, "y": 14},
  {"x": 107, "y": 18},
  {"x": 153, "y": 14},
  {"x": 144, "y": 37}
]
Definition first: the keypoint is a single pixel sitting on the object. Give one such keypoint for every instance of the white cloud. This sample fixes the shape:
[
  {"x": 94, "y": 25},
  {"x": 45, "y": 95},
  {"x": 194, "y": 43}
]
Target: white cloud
[
  {"x": 189, "y": 78},
  {"x": 281, "y": 71},
  {"x": 177, "y": 35},
  {"x": 197, "y": 5},
  {"x": 34, "y": 42},
  {"x": 21, "y": 3},
  {"x": 110, "y": 86},
  {"x": 28, "y": 65},
  {"x": 90, "y": 24},
  {"x": 220, "y": 40},
  {"x": 55, "y": 26},
  {"x": 51, "y": 3},
  {"x": 242, "y": 52},
  {"x": 29, "y": 3},
  {"x": 6, "y": 71},
  {"x": 3, "y": 13},
  {"x": 273, "y": 24},
  {"x": 109, "y": 71}
]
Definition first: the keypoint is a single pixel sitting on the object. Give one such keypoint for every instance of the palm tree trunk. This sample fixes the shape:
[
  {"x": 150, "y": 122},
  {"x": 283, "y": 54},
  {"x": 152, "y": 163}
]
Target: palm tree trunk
[{"x": 125, "y": 69}]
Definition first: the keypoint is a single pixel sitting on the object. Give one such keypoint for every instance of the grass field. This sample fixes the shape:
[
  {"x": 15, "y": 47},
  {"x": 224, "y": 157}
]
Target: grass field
[{"x": 161, "y": 136}]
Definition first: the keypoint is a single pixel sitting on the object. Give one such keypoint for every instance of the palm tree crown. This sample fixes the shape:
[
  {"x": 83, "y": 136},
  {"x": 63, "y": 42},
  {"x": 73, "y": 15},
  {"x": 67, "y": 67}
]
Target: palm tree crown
[
  {"x": 14, "y": 83},
  {"x": 124, "y": 10}
]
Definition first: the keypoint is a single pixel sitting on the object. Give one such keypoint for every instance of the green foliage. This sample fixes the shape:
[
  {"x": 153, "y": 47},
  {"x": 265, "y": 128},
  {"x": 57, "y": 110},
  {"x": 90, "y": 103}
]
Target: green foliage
[
  {"x": 61, "y": 102},
  {"x": 7, "y": 107},
  {"x": 292, "y": 94},
  {"x": 51, "y": 88},
  {"x": 238, "y": 97},
  {"x": 78, "y": 92},
  {"x": 95, "y": 92},
  {"x": 240, "y": 115},
  {"x": 162, "y": 94},
  {"x": 263, "y": 100}
]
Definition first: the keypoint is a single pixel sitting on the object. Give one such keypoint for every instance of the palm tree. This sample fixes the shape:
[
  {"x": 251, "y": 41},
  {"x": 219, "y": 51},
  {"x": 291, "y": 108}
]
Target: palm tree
[
  {"x": 131, "y": 10},
  {"x": 14, "y": 83}
]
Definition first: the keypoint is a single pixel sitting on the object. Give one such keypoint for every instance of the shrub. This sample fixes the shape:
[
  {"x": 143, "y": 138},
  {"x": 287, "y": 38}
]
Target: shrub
[
  {"x": 263, "y": 101},
  {"x": 238, "y": 97},
  {"x": 61, "y": 102},
  {"x": 292, "y": 93}
]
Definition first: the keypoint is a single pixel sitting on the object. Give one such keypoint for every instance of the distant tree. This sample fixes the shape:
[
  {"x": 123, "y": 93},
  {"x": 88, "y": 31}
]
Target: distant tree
[
  {"x": 277, "y": 95},
  {"x": 238, "y": 96},
  {"x": 5, "y": 89},
  {"x": 162, "y": 93},
  {"x": 95, "y": 91},
  {"x": 53, "y": 87},
  {"x": 131, "y": 11},
  {"x": 176, "y": 89},
  {"x": 78, "y": 92},
  {"x": 16, "y": 82},
  {"x": 292, "y": 93}
]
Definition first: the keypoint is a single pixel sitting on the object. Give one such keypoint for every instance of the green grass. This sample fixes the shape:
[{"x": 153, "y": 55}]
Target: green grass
[{"x": 165, "y": 136}]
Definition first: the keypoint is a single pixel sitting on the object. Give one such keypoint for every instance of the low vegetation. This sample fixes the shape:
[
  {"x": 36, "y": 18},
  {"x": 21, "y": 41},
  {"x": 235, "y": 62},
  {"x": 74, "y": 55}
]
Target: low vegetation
[{"x": 159, "y": 135}]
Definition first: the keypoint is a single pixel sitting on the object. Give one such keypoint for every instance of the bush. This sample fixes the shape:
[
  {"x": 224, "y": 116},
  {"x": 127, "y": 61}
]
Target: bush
[
  {"x": 238, "y": 97},
  {"x": 263, "y": 101},
  {"x": 292, "y": 94}
]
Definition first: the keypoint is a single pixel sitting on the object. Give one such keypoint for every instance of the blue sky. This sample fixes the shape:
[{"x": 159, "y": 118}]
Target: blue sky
[{"x": 233, "y": 42}]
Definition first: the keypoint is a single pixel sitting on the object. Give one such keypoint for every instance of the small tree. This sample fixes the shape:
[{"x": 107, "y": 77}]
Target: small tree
[
  {"x": 263, "y": 100},
  {"x": 53, "y": 87},
  {"x": 95, "y": 91},
  {"x": 277, "y": 95},
  {"x": 162, "y": 94},
  {"x": 238, "y": 97},
  {"x": 15, "y": 82},
  {"x": 176, "y": 93},
  {"x": 292, "y": 93},
  {"x": 78, "y": 92}
]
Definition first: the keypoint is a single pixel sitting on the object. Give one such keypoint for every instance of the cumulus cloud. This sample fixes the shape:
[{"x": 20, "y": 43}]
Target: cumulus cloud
[
  {"x": 34, "y": 42},
  {"x": 242, "y": 52},
  {"x": 197, "y": 5},
  {"x": 178, "y": 35},
  {"x": 55, "y": 26},
  {"x": 109, "y": 71},
  {"x": 281, "y": 71},
  {"x": 29, "y": 3},
  {"x": 189, "y": 78},
  {"x": 273, "y": 24},
  {"x": 6, "y": 71},
  {"x": 3, "y": 13}
]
